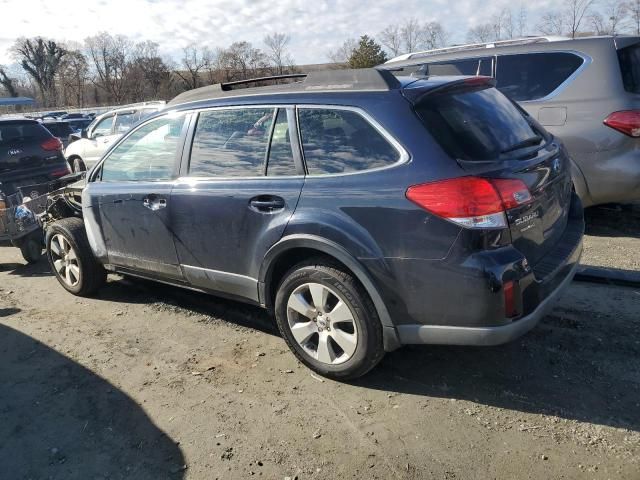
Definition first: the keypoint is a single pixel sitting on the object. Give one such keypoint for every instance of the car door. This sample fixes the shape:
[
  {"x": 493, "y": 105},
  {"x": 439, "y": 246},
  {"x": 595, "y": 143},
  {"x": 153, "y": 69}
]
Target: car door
[
  {"x": 230, "y": 206},
  {"x": 130, "y": 197},
  {"x": 93, "y": 146}
]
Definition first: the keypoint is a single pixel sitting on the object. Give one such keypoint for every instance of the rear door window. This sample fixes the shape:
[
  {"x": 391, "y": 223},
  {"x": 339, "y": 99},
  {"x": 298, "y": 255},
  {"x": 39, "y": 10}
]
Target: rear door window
[
  {"x": 629, "y": 59},
  {"x": 231, "y": 142},
  {"x": 342, "y": 141},
  {"x": 536, "y": 75},
  {"x": 480, "y": 125}
]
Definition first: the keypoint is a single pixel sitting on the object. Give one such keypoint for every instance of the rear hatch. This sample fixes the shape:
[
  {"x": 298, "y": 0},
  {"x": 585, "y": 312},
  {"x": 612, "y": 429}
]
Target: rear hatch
[
  {"x": 491, "y": 137},
  {"x": 27, "y": 151}
]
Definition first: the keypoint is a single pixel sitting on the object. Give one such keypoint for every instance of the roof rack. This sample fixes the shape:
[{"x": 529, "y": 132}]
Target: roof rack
[
  {"x": 229, "y": 85},
  {"x": 477, "y": 46},
  {"x": 365, "y": 79}
]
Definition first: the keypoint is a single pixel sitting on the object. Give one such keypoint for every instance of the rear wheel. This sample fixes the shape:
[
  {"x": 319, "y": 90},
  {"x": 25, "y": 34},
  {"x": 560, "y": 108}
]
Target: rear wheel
[
  {"x": 328, "y": 320},
  {"x": 71, "y": 258},
  {"x": 78, "y": 165}
]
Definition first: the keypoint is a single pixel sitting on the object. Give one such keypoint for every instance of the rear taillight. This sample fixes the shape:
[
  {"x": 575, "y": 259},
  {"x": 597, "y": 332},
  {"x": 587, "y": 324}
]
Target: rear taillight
[
  {"x": 51, "y": 144},
  {"x": 626, "y": 121},
  {"x": 472, "y": 202}
]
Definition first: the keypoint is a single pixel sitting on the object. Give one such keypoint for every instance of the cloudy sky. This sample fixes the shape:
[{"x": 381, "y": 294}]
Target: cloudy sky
[{"x": 315, "y": 26}]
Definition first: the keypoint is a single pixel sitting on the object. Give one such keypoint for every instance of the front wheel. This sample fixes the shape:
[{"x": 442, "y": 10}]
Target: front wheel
[
  {"x": 71, "y": 258},
  {"x": 31, "y": 248},
  {"x": 328, "y": 320},
  {"x": 78, "y": 165}
]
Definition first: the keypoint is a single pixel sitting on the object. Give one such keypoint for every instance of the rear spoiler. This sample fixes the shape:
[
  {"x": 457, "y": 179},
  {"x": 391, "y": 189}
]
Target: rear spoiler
[{"x": 418, "y": 95}]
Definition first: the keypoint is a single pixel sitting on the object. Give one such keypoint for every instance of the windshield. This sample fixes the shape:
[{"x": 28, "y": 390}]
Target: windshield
[
  {"x": 477, "y": 124},
  {"x": 629, "y": 59}
]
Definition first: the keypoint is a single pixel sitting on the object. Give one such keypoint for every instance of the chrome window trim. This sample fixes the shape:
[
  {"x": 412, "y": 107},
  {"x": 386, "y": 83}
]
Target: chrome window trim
[{"x": 404, "y": 156}]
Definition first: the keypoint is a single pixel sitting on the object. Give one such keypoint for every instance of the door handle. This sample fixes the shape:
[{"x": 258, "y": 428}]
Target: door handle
[
  {"x": 153, "y": 202},
  {"x": 266, "y": 204}
]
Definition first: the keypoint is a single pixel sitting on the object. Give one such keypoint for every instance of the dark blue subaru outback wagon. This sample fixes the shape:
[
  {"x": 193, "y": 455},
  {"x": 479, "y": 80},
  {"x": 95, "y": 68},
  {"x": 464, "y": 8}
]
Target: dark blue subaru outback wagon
[{"x": 365, "y": 210}]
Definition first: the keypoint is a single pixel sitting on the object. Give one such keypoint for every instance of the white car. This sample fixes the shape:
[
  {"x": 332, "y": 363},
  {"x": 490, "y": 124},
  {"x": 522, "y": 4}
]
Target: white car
[{"x": 104, "y": 131}]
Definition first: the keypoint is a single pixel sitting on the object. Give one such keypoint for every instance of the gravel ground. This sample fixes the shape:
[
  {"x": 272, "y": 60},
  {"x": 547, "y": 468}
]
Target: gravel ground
[
  {"x": 151, "y": 382},
  {"x": 613, "y": 237}
]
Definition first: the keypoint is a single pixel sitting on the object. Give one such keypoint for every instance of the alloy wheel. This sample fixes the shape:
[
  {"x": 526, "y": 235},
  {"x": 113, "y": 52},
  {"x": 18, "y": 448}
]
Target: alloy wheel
[
  {"x": 65, "y": 260},
  {"x": 322, "y": 323}
]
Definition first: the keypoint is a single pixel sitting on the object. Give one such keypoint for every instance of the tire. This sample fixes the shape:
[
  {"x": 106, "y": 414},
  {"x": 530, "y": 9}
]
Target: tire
[
  {"x": 77, "y": 165},
  {"x": 322, "y": 343},
  {"x": 71, "y": 258},
  {"x": 31, "y": 248}
]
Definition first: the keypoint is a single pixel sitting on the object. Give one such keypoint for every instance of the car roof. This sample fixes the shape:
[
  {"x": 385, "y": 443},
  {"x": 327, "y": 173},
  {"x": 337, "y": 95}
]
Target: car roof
[
  {"x": 523, "y": 45},
  {"x": 346, "y": 80}
]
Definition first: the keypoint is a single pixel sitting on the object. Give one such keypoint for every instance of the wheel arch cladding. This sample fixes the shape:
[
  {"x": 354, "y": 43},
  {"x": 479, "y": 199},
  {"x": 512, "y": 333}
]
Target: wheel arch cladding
[{"x": 295, "y": 248}]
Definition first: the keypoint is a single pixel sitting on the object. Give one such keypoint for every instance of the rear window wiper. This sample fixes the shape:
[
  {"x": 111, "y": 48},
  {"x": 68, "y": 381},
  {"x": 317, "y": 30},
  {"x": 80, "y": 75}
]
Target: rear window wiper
[{"x": 529, "y": 142}]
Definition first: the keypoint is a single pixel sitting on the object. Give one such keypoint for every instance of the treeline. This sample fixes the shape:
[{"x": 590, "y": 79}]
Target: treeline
[{"x": 112, "y": 69}]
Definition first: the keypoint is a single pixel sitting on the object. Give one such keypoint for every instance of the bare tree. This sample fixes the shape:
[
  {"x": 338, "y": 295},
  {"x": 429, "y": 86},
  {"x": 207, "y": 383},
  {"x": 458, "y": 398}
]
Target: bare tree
[
  {"x": 552, "y": 24},
  {"x": 434, "y": 35},
  {"x": 411, "y": 33},
  {"x": 74, "y": 74},
  {"x": 243, "y": 61},
  {"x": 481, "y": 33},
  {"x": 277, "y": 51},
  {"x": 341, "y": 55},
  {"x": 41, "y": 60},
  {"x": 633, "y": 9},
  {"x": 110, "y": 57},
  {"x": 7, "y": 82},
  {"x": 152, "y": 67},
  {"x": 567, "y": 20},
  {"x": 412, "y": 36},
  {"x": 193, "y": 62},
  {"x": 609, "y": 23},
  {"x": 522, "y": 21},
  {"x": 391, "y": 39}
]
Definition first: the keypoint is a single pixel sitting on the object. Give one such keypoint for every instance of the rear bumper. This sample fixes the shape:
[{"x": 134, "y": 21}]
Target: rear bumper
[
  {"x": 480, "y": 318},
  {"x": 482, "y": 336}
]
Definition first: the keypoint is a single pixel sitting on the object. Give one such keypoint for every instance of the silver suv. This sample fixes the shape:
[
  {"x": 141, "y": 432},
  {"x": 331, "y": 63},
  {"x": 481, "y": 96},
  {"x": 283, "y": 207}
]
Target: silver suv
[
  {"x": 86, "y": 149},
  {"x": 585, "y": 91}
]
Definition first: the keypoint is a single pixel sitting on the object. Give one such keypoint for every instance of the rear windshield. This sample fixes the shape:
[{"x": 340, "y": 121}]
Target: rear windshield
[
  {"x": 629, "y": 58},
  {"x": 477, "y": 124},
  {"x": 61, "y": 130},
  {"x": 20, "y": 132}
]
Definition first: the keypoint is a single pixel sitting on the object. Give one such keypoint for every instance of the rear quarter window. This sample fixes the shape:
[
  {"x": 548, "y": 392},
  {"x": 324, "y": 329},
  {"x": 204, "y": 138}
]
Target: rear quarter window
[
  {"x": 342, "y": 141},
  {"x": 535, "y": 75},
  {"x": 629, "y": 59}
]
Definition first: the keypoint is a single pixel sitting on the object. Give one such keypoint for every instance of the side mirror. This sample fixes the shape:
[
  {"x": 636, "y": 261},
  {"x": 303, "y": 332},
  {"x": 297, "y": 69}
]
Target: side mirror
[{"x": 84, "y": 133}]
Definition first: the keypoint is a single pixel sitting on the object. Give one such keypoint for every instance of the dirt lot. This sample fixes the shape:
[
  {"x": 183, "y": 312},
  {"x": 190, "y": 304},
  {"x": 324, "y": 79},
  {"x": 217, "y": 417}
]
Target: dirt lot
[{"x": 149, "y": 382}]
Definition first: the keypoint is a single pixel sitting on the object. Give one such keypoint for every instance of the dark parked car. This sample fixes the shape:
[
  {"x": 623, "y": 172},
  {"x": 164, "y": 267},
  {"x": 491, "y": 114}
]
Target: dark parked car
[
  {"x": 60, "y": 129},
  {"x": 366, "y": 211},
  {"x": 29, "y": 154}
]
